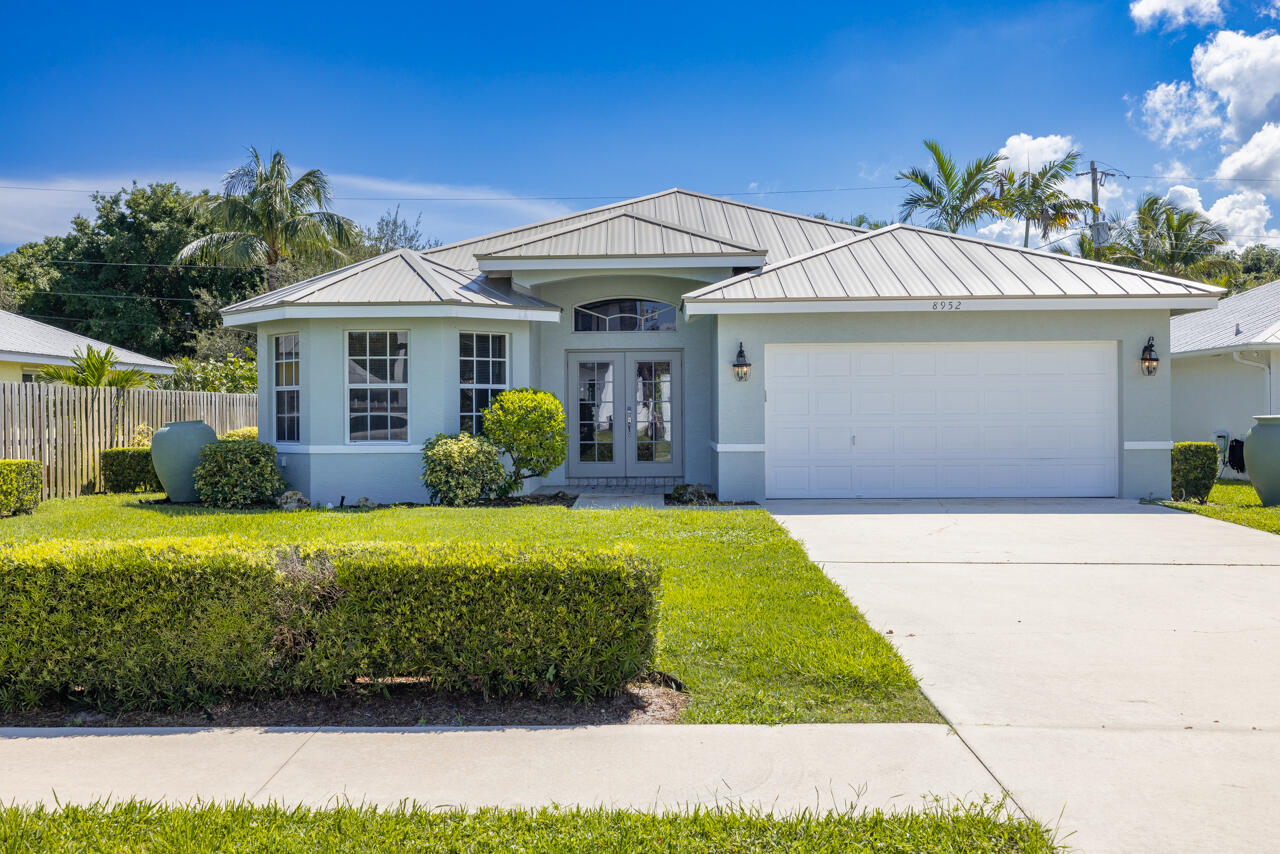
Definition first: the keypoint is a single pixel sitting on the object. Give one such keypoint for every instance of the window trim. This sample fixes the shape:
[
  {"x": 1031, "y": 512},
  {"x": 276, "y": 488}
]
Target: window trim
[
  {"x": 573, "y": 319},
  {"x": 346, "y": 392},
  {"x": 506, "y": 386},
  {"x": 275, "y": 427}
]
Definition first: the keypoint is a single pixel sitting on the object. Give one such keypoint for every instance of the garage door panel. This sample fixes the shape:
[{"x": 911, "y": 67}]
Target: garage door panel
[{"x": 947, "y": 420}]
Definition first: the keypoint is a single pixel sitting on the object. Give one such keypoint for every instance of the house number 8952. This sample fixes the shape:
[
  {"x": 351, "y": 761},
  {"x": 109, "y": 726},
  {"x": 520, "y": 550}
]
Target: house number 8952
[{"x": 946, "y": 305}]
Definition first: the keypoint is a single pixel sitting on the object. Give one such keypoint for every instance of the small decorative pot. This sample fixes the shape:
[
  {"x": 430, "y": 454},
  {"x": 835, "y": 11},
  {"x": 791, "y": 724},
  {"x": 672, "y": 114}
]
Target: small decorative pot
[
  {"x": 175, "y": 452},
  {"x": 1262, "y": 458}
]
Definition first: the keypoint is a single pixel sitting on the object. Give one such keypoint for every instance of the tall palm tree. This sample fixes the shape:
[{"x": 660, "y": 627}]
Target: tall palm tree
[
  {"x": 1166, "y": 238},
  {"x": 953, "y": 197},
  {"x": 266, "y": 217},
  {"x": 1038, "y": 198},
  {"x": 96, "y": 368}
]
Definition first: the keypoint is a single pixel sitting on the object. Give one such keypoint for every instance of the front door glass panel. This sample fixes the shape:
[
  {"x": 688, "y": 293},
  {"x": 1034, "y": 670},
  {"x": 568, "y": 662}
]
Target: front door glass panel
[
  {"x": 653, "y": 411},
  {"x": 595, "y": 412}
]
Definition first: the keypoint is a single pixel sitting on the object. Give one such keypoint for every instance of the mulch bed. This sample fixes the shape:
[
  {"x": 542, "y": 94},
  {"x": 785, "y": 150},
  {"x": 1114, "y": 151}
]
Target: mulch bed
[
  {"x": 558, "y": 499},
  {"x": 406, "y": 703}
]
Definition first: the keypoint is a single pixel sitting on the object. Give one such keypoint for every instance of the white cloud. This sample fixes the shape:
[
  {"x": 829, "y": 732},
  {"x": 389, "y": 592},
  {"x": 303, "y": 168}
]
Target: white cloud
[
  {"x": 1243, "y": 71},
  {"x": 27, "y": 215},
  {"x": 1178, "y": 114},
  {"x": 1175, "y": 13},
  {"x": 1257, "y": 158},
  {"x": 1174, "y": 170},
  {"x": 1270, "y": 10},
  {"x": 1244, "y": 214}
]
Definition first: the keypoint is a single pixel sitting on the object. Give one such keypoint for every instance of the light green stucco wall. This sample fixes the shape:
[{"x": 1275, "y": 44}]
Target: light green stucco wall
[
  {"x": 1213, "y": 393},
  {"x": 1144, "y": 405}
]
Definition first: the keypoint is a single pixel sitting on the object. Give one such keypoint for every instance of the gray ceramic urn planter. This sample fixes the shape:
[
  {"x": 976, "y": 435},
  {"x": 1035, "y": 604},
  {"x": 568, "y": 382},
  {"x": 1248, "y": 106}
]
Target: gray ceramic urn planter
[
  {"x": 1262, "y": 458},
  {"x": 175, "y": 452}
]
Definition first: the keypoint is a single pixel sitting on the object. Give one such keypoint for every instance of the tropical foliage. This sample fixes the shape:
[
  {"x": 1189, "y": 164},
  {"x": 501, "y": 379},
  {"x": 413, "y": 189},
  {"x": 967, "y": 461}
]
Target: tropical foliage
[
  {"x": 265, "y": 216},
  {"x": 1037, "y": 198},
  {"x": 93, "y": 367},
  {"x": 236, "y": 374},
  {"x": 951, "y": 197},
  {"x": 1165, "y": 238}
]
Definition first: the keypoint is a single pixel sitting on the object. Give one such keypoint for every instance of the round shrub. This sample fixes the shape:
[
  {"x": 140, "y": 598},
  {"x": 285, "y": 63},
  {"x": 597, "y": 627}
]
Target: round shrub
[
  {"x": 129, "y": 470},
  {"x": 527, "y": 424},
  {"x": 239, "y": 473},
  {"x": 240, "y": 434},
  {"x": 1194, "y": 468},
  {"x": 20, "y": 483},
  {"x": 462, "y": 470}
]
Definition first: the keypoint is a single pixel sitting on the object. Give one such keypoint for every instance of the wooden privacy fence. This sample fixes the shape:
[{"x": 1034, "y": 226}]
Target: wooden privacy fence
[{"x": 66, "y": 427}]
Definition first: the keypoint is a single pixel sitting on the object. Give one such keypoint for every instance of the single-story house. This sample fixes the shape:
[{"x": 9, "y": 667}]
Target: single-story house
[
  {"x": 1226, "y": 366},
  {"x": 700, "y": 339},
  {"x": 27, "y": 346}
]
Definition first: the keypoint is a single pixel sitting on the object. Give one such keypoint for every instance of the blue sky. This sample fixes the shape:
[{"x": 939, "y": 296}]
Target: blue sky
[{"x": 612, "y": 100}]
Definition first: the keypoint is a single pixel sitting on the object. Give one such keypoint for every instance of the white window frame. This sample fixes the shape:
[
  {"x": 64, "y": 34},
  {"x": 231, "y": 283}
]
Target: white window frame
[
  {"x": 573, "y": 320},
  {"x": 491, "y": 387},
  {"x": 276, "y": 387},
  {"x": 347, "y": 385}
]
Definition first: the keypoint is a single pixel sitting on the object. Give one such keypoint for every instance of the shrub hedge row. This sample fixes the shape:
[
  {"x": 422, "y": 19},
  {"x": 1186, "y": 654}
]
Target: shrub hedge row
[
  {"x": 238, "y": 473},
  {"x": 1194, "y": 469},
  {"x": 180, "y": 621},
  {"x": 20, "y": 484},
  {"x": 129, "y": 470}
]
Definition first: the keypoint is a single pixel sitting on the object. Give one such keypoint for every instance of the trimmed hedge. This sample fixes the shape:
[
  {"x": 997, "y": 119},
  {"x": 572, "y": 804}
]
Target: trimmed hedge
[
  {"x": 129, "y": 470},
  {"x": 238, "y": 473},
  {"x": 20, "y": 483},
  {"x": 1194, "y": 469},
  {"x": 174, "y": 622},
  {"x": 462, "y": 470},
  {"x": 240, "y": 434}
]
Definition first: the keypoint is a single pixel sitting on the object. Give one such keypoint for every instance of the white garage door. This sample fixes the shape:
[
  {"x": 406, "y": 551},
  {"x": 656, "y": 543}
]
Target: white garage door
[{"x": 941, "y": 420}]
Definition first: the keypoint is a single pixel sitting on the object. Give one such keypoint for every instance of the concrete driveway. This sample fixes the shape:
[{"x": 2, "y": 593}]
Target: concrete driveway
[{"x": 1114, "y": 665}]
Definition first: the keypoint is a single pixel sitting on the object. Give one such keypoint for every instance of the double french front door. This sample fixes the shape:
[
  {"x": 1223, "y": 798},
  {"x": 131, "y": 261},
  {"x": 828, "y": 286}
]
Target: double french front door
[{"x": 624, "y": 414}]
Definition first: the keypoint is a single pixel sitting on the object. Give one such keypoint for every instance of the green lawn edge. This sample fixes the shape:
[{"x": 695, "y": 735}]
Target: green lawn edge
[
  {"x": 1236, "y": 502},
  {"x": 986, "y": 827},
  {"x": 755, "y": 629}
]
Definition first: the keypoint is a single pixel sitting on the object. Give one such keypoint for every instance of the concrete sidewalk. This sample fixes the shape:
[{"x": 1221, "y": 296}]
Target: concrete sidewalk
[
  {"x": 1112, "y": 663},
  {"x": 781, "y": 769}
]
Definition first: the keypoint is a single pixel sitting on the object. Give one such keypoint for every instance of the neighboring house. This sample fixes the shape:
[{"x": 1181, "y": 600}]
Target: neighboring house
[
  {"x": 895, "y": 363},
  {"x": 1226, "y": 366},
  {"x": 27, "y": 346}
]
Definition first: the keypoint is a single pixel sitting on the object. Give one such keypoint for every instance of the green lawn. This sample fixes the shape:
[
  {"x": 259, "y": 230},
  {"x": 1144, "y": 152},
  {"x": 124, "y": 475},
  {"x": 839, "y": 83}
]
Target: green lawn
[
  {"x": 1233, "y": 501},
  {"x": 979, "y": 829},
  {"x": 748, "y": 623}
]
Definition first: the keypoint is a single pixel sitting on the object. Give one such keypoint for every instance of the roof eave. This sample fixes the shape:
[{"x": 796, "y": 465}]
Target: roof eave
[
  {"x": 713, "y": 305},
  {"x": 330, "y": 311}
]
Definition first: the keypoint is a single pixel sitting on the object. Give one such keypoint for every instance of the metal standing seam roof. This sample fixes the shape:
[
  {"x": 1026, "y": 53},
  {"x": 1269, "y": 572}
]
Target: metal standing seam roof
[
  {"x": 780, "y": 234},
  {"x": 1247, "y": 320},
  {"x": 622, "y": 234},
  {"x": 399, "y": 276},
  {"x": 908, "y": 262},
  {"x": 23, "y": 337}
]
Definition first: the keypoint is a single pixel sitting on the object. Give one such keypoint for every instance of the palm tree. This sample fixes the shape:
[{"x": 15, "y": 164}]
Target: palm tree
[
  {"x": 1037, "y": 197},
  {"x": 267, "y": 217},
  {"x": 1166, "y": 238},
  {"x": 954, "y": 197},
  {"x": 96, "y": 368}
]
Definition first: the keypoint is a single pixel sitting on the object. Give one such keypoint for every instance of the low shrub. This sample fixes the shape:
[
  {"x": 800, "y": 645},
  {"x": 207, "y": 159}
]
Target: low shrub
[
  {"x": 1194, "y": 469},
  {"x": 462, "y": 470},
  {"x": 238, "y": 473},
  {"x": 179, "y": 621},
  {"x": 527, "y": 425},
  {"x": 20, "y": 483},
  {"x": 240, "y": 434},
  {"x": 141, "y": 436},
  {"x": 129, "y": 470}
]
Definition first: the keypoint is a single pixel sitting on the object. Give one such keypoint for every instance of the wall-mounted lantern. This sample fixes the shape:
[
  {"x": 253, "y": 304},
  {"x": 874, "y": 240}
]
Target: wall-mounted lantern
[
  {"x": 741, "y": 367},
  {"x": 1150, "y": 361}
]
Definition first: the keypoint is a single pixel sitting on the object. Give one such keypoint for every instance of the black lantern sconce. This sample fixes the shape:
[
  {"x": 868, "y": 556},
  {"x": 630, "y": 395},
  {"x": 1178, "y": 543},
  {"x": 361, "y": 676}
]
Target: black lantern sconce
[
  {"x": 741, "y": 367},
  {"x": 1150, "y": 361}
]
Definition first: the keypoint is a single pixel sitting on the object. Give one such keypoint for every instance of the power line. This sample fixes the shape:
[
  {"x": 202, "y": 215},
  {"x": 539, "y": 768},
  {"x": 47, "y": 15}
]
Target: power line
[
  {"x": 110, "y": 296},
  {"x": 144, "y": 264},
  {"x": 111, "y": 322}
]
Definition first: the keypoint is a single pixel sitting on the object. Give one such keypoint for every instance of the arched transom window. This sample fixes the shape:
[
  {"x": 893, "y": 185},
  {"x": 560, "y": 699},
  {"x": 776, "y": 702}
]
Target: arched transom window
[{"x": 625, "y": 315}]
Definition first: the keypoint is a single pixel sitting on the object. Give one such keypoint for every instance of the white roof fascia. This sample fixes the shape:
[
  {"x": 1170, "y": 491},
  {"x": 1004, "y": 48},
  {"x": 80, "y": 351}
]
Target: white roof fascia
[
  {"x": 946, "y": 304},
  {"x": 1226, "y": 351},
  {"x": 312, "y": 311},
  {"x": 44, "y": 359},
  {"x": 627, "y": 262}
]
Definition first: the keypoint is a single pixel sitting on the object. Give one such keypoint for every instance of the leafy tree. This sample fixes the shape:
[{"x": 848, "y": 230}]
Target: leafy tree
[
  {"x": 1036, "y": 197},
  {"x": 112, "y": 277},
  {"x": 1166, "y": 238},
  {"x": 96, "y": 368},
  {"x": 1259, "y": 265},
  {"x": 528, "y": 425},
  {"x": 391, "y": 232},
  {"x": 229, "y": 373},
  {"x": 857, "y": 220},
  {"x": 952, "y": 197},
  {"x": 264, "y": 217}
]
